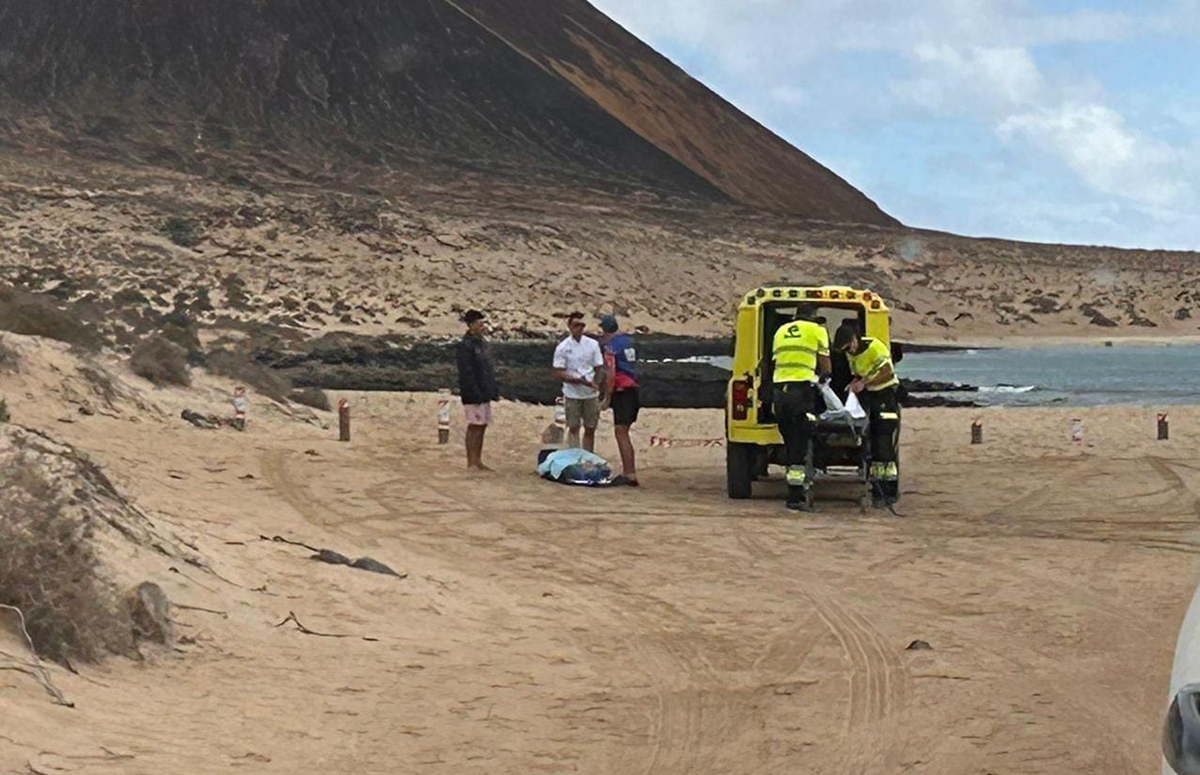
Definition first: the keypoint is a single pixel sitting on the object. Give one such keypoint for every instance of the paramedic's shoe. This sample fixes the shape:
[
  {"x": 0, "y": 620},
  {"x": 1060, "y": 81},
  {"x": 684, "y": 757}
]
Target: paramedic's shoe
[{"x": 798, "y": 499}]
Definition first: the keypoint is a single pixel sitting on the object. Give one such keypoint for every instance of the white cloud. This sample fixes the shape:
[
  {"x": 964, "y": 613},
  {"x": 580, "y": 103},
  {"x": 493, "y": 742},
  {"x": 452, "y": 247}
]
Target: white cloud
[
  {"x": 784, "y": 33},
  {"x": 1098, "y": 145},
  {"x": 805, "y": 67},
  {"x": 974, "y": 80}
]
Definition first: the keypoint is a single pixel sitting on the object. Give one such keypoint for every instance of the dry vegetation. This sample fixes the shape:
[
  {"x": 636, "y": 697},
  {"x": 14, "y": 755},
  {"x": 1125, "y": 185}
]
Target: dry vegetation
[
  {"x": 161, "y": 361},
  {"x": 241, "y": 368},
  {"x": 9, "y": 357},
  {"x": 312, "y": 397},
  {"x": 35, "y": 314},
  {"x": 48, "y": 570}
]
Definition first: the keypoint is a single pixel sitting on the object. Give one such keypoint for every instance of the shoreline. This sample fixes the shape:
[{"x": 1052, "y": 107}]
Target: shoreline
[{"x": 1030, "y": 342}]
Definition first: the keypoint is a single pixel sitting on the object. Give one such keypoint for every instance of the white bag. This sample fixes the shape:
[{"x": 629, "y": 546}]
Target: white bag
[
  {"x": 854, "y": 407},
  {"x": 833, "y": 404}
]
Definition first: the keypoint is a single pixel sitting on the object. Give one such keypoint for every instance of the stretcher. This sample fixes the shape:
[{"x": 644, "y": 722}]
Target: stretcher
[{"x": 839, "y": 460}]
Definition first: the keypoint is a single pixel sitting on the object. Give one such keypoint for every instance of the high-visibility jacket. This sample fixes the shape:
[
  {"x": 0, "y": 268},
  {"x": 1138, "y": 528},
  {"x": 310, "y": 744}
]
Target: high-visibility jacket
[
  {"x": 870, "y": 361},
  {"x": 795, "y": 350}
]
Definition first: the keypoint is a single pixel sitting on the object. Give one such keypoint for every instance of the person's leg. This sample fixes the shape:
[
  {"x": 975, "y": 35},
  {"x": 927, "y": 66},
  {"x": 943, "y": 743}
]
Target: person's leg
[
  {"x": 591, "y": 420},
  {"x": 805, "y": 397},
  {"x": 792, "y": 419},
  {"x": 625, "y": 407},
  {"x": 474, "y": 445},
  {"x": 479, "y": 464},
  {"x": 574, "y": 409},
  {"x": 878, "y": 431},
  {"x": 889, "y": 414},
  {"x": 625, "y": 448}
]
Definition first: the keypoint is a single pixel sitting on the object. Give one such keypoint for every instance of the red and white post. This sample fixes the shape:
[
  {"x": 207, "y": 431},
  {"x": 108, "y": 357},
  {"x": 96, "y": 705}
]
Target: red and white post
[{"x": 443, "y": 416}]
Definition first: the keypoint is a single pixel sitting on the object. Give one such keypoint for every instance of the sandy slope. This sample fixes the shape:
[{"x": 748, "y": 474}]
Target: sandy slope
[
  {"x": 392, "y": 254},
  {"x": 667, "y": 630}
]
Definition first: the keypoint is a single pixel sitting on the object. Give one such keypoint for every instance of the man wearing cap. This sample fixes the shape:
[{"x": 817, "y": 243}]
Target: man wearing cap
[
  {"x": 876, "y": 384},
  {"x": 575, "y": 362},
  {"x": 800, "y": 355},
  {"x": 621, "y": 393},
  {"x": 477, "y": 386}
]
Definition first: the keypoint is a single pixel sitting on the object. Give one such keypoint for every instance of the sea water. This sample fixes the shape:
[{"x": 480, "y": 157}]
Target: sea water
[{"x": 1086, "y": 375}]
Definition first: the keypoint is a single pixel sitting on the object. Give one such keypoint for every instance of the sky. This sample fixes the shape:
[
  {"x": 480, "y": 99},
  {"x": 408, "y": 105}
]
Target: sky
[{"x": 1074, "y": 121}]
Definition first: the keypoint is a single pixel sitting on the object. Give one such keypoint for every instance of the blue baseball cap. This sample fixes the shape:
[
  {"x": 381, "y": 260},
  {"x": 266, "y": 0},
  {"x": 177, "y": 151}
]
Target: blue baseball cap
[{"x": 608, "y": 324}]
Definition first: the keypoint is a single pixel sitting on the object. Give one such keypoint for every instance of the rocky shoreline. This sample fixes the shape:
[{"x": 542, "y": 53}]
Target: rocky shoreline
[{"x": 353, "y": 362}]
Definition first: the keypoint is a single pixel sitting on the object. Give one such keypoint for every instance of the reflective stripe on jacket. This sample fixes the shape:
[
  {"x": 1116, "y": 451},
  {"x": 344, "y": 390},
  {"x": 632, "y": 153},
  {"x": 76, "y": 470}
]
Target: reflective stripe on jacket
[
  {"x": 795, "y": 350},
  {"x": 871, "y": 360}
]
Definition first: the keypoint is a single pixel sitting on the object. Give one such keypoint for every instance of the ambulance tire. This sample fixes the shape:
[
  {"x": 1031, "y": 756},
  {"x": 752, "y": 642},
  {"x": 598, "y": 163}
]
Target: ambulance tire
[{"x": 741, "y": 460}]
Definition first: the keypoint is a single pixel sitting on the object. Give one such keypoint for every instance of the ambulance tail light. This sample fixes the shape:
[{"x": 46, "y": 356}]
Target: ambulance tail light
[{"x": 740, "y": 399}]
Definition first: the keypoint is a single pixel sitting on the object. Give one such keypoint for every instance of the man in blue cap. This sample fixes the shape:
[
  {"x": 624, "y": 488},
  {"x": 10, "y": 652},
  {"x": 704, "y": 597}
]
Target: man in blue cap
[{"x": 621, "y": 393}]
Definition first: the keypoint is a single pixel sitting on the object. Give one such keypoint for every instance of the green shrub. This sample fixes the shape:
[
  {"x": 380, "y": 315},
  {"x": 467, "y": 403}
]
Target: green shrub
[
  {"x": 160, "y": 361},
  {"x": 4, "y": 411}
]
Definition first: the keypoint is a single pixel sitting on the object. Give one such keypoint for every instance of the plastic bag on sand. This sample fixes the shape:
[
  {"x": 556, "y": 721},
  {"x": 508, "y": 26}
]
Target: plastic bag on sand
[{"x": 576, "y": 466}]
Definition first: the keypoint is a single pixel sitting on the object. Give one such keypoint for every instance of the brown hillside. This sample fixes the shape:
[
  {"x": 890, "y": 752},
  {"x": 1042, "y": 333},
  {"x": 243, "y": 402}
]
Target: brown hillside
[
  {"x": 522, "y": 89},
  {"x": 672, "y": 110}
]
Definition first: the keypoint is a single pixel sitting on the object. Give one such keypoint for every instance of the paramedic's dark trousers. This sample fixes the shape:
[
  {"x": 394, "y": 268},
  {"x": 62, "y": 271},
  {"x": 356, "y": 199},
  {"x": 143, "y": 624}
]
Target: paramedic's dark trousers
[
  {"x": 794, "y": 402},
  {"x": 883, "y": 409}
]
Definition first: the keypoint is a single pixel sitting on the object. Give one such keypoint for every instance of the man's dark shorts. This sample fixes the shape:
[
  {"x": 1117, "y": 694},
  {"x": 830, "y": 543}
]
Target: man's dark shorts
[{"x": 625, "y": 407}]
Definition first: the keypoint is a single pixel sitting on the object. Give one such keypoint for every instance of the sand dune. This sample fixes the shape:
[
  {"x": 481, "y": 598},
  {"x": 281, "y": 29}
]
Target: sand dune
[{"x": 545, "y": 628}]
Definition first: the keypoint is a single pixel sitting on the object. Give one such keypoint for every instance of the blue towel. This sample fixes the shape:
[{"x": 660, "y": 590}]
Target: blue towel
[{"x": 575, "y": 466}]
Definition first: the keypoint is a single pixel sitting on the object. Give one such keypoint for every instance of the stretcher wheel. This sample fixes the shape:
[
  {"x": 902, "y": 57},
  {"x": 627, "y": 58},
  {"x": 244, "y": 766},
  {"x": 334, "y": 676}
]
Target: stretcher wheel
[{"x": 864, "y": 503}]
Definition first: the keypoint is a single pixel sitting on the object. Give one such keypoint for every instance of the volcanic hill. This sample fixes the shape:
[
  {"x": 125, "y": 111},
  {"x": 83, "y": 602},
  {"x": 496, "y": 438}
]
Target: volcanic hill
[{"x": 376, "y": 166}]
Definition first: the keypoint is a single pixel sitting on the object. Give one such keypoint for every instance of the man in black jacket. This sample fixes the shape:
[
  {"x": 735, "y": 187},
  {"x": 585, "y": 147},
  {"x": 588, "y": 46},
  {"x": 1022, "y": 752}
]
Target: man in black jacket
[{"x": 477, "y": 386}]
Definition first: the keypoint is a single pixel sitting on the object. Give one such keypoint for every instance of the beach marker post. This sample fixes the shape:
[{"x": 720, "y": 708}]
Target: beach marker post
[
  {"x": 443, "y": 416},
  {"x": 240, "y": 405},
  {"x": 343, "y": 420},
  {"x": 1164, "y": 430},
  {"x": 560, "y": 417},
  {"x": 977, "y": 432},
  {"x": 1077, "y": 430}
]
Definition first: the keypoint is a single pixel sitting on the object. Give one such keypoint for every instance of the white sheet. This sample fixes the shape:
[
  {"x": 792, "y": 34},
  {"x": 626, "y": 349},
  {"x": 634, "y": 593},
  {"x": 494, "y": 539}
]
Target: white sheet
[{"x": 834, "y": 408}]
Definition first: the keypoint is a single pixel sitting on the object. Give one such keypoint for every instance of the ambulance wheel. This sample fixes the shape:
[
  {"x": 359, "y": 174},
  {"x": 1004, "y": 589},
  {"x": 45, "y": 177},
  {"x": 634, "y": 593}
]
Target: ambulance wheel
[{"x": 741, "y": 461}]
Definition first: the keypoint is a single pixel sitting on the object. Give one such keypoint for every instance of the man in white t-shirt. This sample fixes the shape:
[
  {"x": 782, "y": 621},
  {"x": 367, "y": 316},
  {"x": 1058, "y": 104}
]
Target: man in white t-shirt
[{"x": 575, "y": 362}]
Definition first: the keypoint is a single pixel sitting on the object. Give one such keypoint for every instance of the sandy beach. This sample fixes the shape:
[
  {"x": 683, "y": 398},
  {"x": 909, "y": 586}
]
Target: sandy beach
[{"x": 543, "y": 628}]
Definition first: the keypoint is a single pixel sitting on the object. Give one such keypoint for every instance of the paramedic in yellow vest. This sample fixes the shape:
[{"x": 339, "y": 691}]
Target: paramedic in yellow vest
[
  {"x": 800, "y": 352},
  {"x": 876, "y": 384}
]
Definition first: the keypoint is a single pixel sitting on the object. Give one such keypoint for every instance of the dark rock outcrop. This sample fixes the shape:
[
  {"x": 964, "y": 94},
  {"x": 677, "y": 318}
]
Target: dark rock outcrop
[{"x": 1096, "y": 317}]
